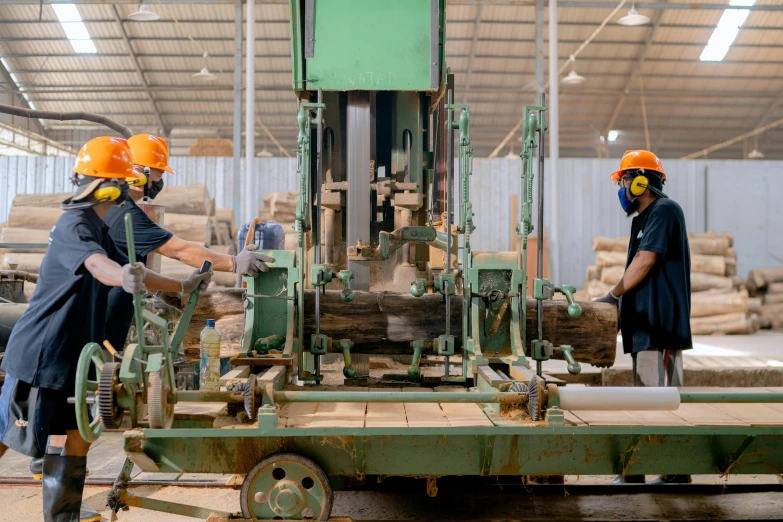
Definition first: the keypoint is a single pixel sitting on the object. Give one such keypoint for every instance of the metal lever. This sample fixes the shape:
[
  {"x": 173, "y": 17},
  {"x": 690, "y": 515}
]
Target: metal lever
[{"x": 574, "y": 368}]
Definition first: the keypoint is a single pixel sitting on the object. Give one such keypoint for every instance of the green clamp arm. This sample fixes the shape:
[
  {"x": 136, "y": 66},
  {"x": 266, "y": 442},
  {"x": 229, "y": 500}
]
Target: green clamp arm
[
  {"x": 414, "y": 370},
  {"x": 349, "y": 371},
  {"x": 574, "y": 309},
  {"x": 418, "y": 287},
  {"x": 346, "y": 295},
  {"x": 574, "y": 368}
]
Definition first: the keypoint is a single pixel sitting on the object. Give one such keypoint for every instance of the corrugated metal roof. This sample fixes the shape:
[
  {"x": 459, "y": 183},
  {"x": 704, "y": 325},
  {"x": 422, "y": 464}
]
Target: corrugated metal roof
[{"x": 494, "y": 42}]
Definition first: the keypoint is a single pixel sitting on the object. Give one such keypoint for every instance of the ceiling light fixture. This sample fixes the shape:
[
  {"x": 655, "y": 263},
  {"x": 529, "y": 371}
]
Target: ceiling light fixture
[
  {"x": 612, "y": 136},
  {"x": 573, "y": 79},
  {"x": 144, "y": 15},
  {"x": 634, "y": 18},
  {"x": 511, "y": 154},
  {"x": 204, "y": 73},
  {"x": 755, "y": 154}
]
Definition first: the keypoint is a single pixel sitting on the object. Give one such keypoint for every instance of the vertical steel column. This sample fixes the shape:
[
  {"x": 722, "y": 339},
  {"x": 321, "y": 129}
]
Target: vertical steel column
[
  {"x": 449, "y": 132},
  {"x": 359, "y": 129},
  {"x": 250, "y": 113},
  {"x": 540, "y": 245},
  {"x": 554, "y": 137},
  {"x": 539, "y": 49},
  {"x": 237, "y": 177},
  {"x": 319, "y": 179}
]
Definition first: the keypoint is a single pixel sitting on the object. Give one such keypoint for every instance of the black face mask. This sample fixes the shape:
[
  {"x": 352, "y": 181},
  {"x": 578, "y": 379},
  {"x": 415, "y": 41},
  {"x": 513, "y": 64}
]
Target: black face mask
[
  {"x": 124, "y": 195},
  {"x": 154, "y": 188}
]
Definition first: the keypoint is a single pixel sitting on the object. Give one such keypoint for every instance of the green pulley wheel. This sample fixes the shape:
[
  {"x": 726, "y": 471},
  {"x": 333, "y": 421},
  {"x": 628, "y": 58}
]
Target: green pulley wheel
[
  {"x": 91, "y": 356},
  {"x": 286, "y": 486},
  {"x": 160, "y": 411}
]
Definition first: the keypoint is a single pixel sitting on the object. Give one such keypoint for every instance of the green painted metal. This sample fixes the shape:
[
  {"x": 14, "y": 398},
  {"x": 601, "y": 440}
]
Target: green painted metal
[
  {"x": 91, "y": 357},
  {"x": 393, "y": 396},
  {"x": 731, "y": 397},
  {"x": 379, "y": 46}
]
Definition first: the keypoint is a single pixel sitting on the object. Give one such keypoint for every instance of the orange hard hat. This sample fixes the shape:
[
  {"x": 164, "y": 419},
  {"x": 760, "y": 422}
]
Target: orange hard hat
[
  {"x": 105, "y": 157},
  {"x": 638, "y": 159},
  {"x": 150, "y": 151}
]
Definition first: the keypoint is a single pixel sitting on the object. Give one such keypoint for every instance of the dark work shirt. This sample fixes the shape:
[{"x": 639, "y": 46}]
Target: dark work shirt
[
  {"x": 147, "y": 237},
  {"x": 656, "y": 313},
  {"x": 68, "y": 308}
]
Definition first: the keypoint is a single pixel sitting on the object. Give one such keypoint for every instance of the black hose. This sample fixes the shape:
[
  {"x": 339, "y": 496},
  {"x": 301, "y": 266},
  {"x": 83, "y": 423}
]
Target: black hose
[{"x": 64, "y": 116}]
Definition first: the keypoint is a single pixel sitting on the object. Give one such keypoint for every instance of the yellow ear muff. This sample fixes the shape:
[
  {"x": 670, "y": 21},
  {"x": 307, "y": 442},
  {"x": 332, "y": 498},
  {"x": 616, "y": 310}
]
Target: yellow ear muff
[
  {"x": 639, "y": 185},
  {"x": 107, "y": 191},
  {"x": 137, "y": 182}
]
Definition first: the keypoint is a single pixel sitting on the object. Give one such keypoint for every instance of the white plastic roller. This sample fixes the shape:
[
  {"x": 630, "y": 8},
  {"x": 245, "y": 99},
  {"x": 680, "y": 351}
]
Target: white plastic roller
[{"x": 619, "y": 398}]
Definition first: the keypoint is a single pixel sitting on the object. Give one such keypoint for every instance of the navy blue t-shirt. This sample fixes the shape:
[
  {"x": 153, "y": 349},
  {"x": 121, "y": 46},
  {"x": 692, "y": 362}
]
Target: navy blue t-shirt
[
  {"x": 68, "y": 308},
  {"x": 656, "y": 313},
  {"x": 147, "y": 237}
]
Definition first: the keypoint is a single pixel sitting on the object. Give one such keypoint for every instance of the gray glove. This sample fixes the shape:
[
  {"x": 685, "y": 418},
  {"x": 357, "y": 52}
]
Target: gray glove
[
  {"x": 133, "y": 278},
  {"x": 608, "y": 298},
  {"x": 248, "y": 262},
  {"x": 196, "y": 280}
]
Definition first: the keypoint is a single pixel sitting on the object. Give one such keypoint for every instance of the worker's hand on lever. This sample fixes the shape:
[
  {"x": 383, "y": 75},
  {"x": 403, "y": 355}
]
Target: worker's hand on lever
[
  {"x": 133, "y": 278},
  {"x": 196, "y": 280},
  {"x": 250, "y": 263},
  {"x": 608, "y": 298}
]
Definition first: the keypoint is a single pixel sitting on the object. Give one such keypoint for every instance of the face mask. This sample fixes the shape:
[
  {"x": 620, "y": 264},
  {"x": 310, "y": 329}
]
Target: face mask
[
  {"x": 124, "y": 195},
  {"x": 629, "y": 205},
  {"x": 155, "y": 188}
]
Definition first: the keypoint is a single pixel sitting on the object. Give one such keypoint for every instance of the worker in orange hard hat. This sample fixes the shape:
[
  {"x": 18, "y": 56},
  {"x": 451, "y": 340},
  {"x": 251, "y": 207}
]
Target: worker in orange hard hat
[
  {"x": 150, "y": 156},
  {"x": 654, "y": 294},
  {"x": 67, "y": 311}
]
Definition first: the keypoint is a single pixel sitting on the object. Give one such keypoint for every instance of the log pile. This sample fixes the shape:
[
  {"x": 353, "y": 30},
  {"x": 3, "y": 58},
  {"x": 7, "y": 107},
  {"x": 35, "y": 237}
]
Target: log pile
[
  {"x": 212, "y": 147},
  {"x": 720, "y": 304},
  {"x": 190, "y": 214},
  {"x": 280, "y": 207},
  {"x": 766, "y": 288}
]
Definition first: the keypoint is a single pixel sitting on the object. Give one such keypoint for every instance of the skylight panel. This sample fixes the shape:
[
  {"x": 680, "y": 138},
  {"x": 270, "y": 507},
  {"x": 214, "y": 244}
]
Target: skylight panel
[
  {"x": 75, "y": 29},
  {"x": 728, "y": 29}
]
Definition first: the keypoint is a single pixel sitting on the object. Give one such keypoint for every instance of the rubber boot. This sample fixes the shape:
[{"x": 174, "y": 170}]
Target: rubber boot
[
  {"x": 628, "y": 479},
  {"x": 63, "y": 485},
  {"x": 36, "y": 465}
]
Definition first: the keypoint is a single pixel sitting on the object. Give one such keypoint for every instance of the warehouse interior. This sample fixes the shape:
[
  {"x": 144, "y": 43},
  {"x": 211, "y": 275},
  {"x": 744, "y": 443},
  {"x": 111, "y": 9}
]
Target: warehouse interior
[{"x": 442, "y": 341}]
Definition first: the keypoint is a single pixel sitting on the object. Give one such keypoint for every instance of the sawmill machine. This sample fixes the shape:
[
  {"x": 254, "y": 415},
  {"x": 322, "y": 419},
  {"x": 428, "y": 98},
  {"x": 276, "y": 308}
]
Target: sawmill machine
[{"x": 384, "y": 226}]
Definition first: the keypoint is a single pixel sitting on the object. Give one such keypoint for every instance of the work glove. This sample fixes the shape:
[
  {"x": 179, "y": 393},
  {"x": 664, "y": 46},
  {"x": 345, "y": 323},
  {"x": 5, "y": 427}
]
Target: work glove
[
  {"x": 196, "y": 280},
  {"x": 608, "y": 298},
  {"x": 133, "y": 278},
  {"x": 250, "y": 263}
]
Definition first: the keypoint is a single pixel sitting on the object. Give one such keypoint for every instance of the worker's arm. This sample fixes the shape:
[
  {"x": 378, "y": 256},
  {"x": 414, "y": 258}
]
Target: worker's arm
[
  {"x": 110, "y": 273},
  {"x": 194, "y": 254},
  {"x": 248, "y": 262},
  {"x": 640, "y": 266}
]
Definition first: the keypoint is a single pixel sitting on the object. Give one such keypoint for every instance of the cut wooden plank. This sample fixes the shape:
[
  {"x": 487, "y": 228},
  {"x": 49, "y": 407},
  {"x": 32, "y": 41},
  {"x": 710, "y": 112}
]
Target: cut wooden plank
[
  {"x": 240, "y": 372},
  {"x": 299, "y": 414},
  {"x": 606, "y": 418},
  {"x": 425, "y": 415},
  {"x": 572, "y": 419},
  {"x": 753, "y": 414},
  {"x": 657, "y": 418},
  {"x": 460, "y": 415},
  {"x": 706, "y": 415},
  {"x": 385, "y": 415},
  {"x": 339, "y": 415}
]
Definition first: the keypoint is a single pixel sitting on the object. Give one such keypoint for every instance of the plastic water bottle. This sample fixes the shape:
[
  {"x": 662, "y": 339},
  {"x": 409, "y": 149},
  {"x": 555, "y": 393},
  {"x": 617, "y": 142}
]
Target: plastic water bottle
[{"x": 209, "y": 379}]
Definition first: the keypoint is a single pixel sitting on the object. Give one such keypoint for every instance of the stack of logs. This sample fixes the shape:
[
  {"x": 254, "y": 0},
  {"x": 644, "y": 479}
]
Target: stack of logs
[
  {"x": 190, "y": 214},
  {"x": 280, "y": 207},
  {"x": 766, "y": 288},
  {"x": 719, "y": 300}
]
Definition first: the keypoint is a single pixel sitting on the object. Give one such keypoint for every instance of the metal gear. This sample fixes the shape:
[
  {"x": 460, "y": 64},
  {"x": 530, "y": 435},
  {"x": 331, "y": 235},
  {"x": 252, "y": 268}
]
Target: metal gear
[
  {"x": 110, "y": 413},
  {"x": 160, "y": 412},
  {"x": 250, "y": 397},
  {"x": 535, "y": 391},
  {"x": 518, "y": 387}
]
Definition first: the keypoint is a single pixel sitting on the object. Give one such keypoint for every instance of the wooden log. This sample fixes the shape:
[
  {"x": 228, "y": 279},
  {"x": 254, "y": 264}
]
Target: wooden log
[
  {"x": 702, "y": 245},
  {"x": 231, "y": 328},
  {"x": 592, "y": 273},
  {"x": 193, "y": 200},
  {"x": 701, "y": 282},
  {"x": 41, "y": 200},
  {"x": 704, "y": 304},
  {"x": 758, "y": 279},
  {"x": 225, "y": 215},
  {"x": 40, "y": 218},
  {"x": 736, "y": 323},
  {"x": 708, "y": 264},
  {"x": 754, "y": 305},
  {"x": 611, "y": 275},
  {"x": 775, "y": 288},
  {"x": 388, "y": 323},
  {"x": 713, "y": 235},
  {"x": 605, "y": 258},
  {"x": 177, "y": 270},
  {"x": 770, "y": 299},
  {"x": 593, "y": 289},
  {"x": 24, "y": 235},
  {"x": 189, "y": 227},
  {"x": 771, "y": 316},
  {"x": 24, "y": 262},
  {"x": 731, "y": 266}
]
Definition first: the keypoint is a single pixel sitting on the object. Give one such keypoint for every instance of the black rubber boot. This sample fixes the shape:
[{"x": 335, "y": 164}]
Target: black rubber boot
[
  {"x": 628, "y": 479},
  {"x": 672, "y": 479},
  {"x": 63, "y": 485},
  {"x": 36, "y": 465}
]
